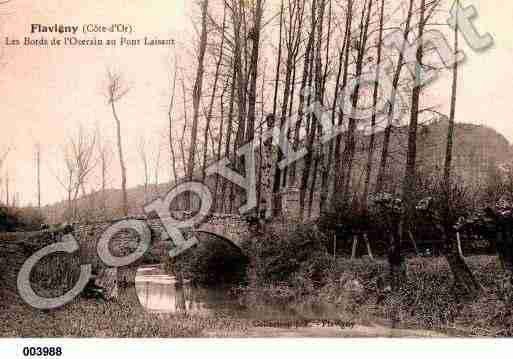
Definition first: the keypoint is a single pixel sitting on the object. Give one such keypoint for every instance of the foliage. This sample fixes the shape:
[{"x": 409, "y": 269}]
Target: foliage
[
  {"x": 426, "y": 299},
  {"x": 283, "y": 252},
  {"x": 27, "y": 219},
  {"x": 8, "y": 222}
]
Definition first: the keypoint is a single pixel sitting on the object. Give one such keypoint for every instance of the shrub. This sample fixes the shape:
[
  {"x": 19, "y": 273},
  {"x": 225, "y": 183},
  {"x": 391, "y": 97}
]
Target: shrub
[
  {"x": 26, "y": 219},
  {"x": 213, "y": 261},
  {"x": 281, "y": 252},
  {"x": 8, "y": 221}
]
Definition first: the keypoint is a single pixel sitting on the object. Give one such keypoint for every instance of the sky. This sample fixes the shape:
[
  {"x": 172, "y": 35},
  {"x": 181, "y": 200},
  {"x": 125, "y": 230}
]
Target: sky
[{"x": 47, "y": 92}]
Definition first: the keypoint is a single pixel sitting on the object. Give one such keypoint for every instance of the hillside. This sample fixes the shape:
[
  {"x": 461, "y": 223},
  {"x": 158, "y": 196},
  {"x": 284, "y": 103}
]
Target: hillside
[{"x": 477, "y": 151}]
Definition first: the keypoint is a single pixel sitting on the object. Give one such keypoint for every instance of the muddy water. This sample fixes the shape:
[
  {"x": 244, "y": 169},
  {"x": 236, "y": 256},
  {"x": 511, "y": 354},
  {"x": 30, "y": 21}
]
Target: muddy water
[
  {"x": 159, "y": 292},
  {"x": 162, "y": 293}
]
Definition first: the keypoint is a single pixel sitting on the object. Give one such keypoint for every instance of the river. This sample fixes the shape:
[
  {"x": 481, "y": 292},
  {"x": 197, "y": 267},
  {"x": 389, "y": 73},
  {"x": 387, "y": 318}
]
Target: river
[{"x": 161, "y": 293}]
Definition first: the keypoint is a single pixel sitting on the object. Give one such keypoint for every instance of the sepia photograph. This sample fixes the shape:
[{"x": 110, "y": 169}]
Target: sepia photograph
[{"x": 255, "y": 169}]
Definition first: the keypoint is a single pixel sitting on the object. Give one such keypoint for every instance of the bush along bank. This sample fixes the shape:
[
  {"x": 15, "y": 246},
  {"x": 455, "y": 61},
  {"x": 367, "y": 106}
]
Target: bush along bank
[{"x": 291, "y": 266}]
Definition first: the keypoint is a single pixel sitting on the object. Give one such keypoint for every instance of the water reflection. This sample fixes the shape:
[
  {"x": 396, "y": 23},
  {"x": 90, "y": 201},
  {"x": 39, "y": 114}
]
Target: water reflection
[{"x": 160, "y": 292}]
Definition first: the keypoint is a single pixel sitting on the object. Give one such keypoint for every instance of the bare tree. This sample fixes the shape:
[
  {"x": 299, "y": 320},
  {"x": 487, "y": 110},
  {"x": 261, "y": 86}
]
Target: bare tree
[
  {"x": 254, "y": 35},
  {"x": 462, "y": 274},
  {"x": 212, "y": 96},
  {"x": 170, "y": 121},
  {"x": 239, "y": 26},
  {"x": 293, "y": 37},
  {"x": 83, "y": 147},
  {"x": 342, "y": 71},
  {"x": 156, "y": 167},
  {"x": 116, "y": 90},
  {"x": 79, "y": 163},
  {"x": 310, "y": 128},
  {"x": 396, "y": 259},
  {"x": 196, "y": 95},
  {"x": 340, "y": 113},
  {"x": 450, "y": 130},
  {"x": 393, "y": 97},
  {"x": 38, "y": 174},
  {"x": 316, "y": 128},
  {"x": 3, "y": 158},
  {"x": 184, "y": 130},
  {"x": 141, "y": 149},
  {"x": 229, "y": 129},
  {"x": 105, "y": 157},
  {"x": 370, "y": 153},
  {"x": 350, "y": 143},
  {"x": 327, "y": 149}
]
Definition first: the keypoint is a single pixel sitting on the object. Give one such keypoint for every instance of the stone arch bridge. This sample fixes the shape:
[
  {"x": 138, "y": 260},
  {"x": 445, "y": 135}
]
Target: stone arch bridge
[
  {"x": 16, "y": 248},
  {"x": 229, "y": 227}
]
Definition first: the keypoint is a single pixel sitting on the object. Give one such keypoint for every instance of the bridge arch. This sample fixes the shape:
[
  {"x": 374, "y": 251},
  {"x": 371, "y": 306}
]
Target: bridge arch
[{"x": 219, "y": 237}]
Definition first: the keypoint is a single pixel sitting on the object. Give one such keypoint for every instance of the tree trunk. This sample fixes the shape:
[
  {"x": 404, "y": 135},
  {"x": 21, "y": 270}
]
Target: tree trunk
[
  {"x": 350, "y": 145},
  {"x": 297, "y": 129},
  {"x": 464, "y": 279},
  {"x": 121, "y": 159},
  {"x": 319, "y": 100},
  {"x": 368, "y": 246},
  {"x": 212, "y": 98},
  {"x": 450, "y": 130},
  {"x": 255, "y": 36},
  {"x": 241, "y": 83},
  {"x": 38, "y": 164},
  {"x": 196, "y": 96},
  {"x": 410, "y": 176},
  {"x": 393, "y": 96},
  {"x": 294, "y": 41},
  {"x": 462, "y": 274},
  {"x": 229, "y": 130},
  {"x": 170, "y": 119},
  {"x": 335, "y": 201},
  {"x": 312, "y": 126},
  {"x": 355, "y": 247},
  {"x": 370, "y": 155}
]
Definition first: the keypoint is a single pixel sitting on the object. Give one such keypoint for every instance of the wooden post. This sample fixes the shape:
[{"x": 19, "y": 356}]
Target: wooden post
[
  {"x": 334, "y": 245},
  {"x": 458, "y": 241},
  {"x": 355, "y": 244},
  {"x": 413, "y": 242},
  {"x": 367, "y": 244}
]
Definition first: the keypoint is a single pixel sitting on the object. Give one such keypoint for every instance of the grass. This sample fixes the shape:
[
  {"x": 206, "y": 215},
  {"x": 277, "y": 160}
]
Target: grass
[{"x": 124, "y": 318}]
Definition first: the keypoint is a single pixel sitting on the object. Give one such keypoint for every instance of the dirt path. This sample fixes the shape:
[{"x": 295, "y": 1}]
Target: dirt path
[{"x": 357, "y": 331}]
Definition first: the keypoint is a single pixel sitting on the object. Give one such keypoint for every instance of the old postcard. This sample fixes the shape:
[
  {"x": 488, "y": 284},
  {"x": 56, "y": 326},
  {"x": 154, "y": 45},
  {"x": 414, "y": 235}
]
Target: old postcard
[{"x": 255, "y": 169}]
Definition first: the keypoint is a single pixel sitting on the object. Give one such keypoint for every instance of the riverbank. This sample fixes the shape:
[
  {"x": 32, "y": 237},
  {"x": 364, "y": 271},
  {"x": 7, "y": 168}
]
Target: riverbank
[
  {"x": 350, "y": 303},
  {"x": 125, "y": 318},
  {"x": 356, "y": 291}
]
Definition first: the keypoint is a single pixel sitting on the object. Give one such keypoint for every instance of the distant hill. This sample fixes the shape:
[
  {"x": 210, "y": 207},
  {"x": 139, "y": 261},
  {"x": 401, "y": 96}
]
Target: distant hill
[
  {"x": 477, "y": 151},
  {"x": 98, "y": 206}
]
